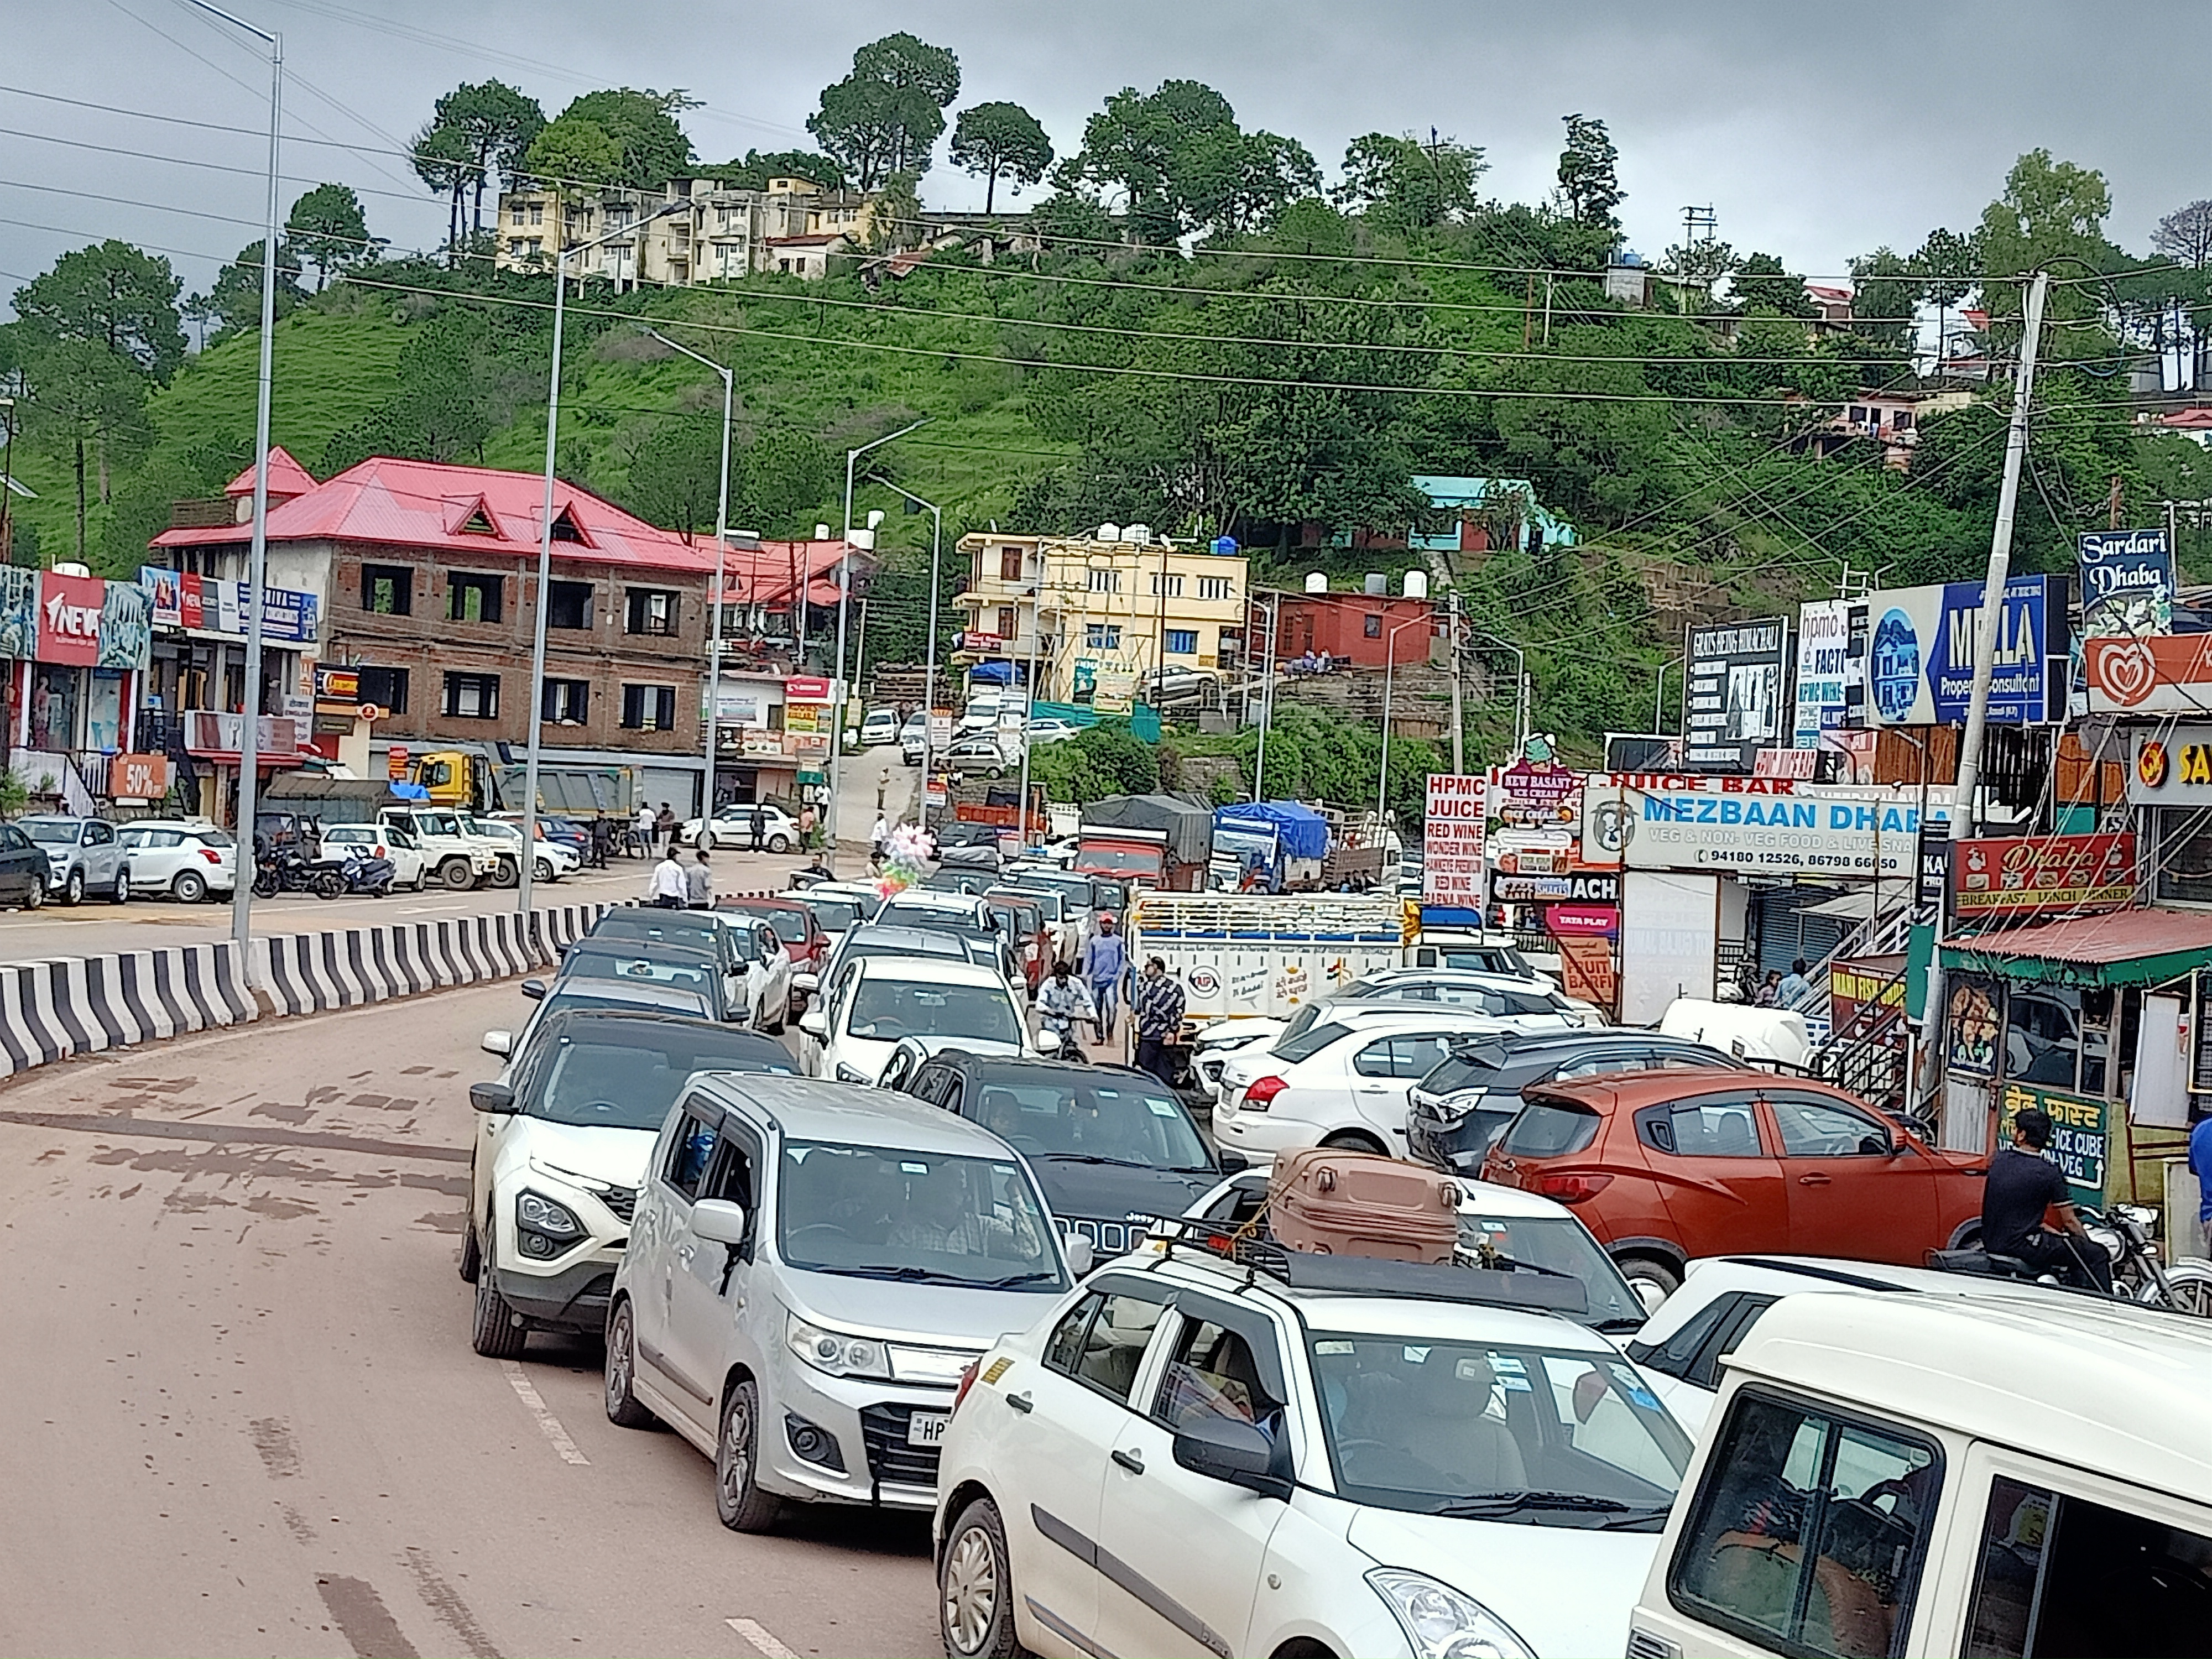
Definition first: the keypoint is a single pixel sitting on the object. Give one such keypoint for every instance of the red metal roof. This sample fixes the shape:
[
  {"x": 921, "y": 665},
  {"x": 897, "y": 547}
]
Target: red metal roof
[
  {"x": 287, "y": 477},
  {"x": 426, "y": 504},
  {"x": 763, "y": 576},
  {"x": 2120, "y": 947}
]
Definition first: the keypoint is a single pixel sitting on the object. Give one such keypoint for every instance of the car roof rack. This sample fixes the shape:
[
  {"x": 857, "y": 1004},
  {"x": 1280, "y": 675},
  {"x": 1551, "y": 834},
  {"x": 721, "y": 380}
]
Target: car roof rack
[{"x": 1528, "y": 1289}]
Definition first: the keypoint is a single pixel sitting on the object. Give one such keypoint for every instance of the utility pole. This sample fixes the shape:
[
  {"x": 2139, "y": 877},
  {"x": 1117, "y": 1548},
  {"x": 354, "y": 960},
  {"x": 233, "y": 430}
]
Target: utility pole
[
  {"x": 1459, "y": 722},
  {"x": 1272, "y": 612},
  {"x": 1965, "y": 819}
]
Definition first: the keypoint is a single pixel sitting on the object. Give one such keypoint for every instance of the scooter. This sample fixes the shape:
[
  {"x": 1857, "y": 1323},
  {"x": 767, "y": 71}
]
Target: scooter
[
  {"x": 289, "y": 872},
  {"x": 365, "y": 874}
]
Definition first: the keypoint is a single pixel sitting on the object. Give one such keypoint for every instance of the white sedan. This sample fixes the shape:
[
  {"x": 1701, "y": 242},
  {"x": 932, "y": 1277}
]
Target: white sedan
[
  {"x": 875, "y": 1001},
  {"x": 409, "y": 869},
  {"x": 733, "y": 828},
  {"x": 555, "y": 859}
]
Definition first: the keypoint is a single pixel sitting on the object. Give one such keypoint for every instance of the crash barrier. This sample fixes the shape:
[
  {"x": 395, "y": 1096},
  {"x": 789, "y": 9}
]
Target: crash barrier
[{"x": 53, "y": 1009}]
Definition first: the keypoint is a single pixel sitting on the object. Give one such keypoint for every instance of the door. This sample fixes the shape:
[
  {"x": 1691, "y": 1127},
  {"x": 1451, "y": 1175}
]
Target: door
[
  {"x": 684, "y": 1157},
  {"x": 1848, "y": 1194},
  {"x": 101, "y": 854},
  {"x": 1180, "y": 1552},
  {"x": 1384, "y": 1070},
  {"x": 708, "y": 1285},
  {"x": 1718, "y": 1178}
]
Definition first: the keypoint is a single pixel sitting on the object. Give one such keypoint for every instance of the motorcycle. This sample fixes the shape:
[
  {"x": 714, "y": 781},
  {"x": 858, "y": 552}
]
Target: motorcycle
[
  {"x": 364, "y": 874},
  {"x": 2126, "y": 1233},
  {"x": 1063, "y": 1026},
  {"x": 289, "y": 872}
]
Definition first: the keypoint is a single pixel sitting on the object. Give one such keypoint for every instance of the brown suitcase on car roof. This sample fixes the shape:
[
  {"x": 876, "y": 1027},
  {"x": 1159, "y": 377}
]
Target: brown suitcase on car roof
[{"x": 1341, "y": 1203}]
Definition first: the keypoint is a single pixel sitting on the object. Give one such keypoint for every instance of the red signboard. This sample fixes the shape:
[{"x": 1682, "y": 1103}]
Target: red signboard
[
  {"x": 69, "y": 618},
  {"x": 2037, "y": 875},
  {"x": 138, "y": 777},
  {"x": 1582, "y": 920},
  {"x": 395, "y": 762},
  {"x": 801, "y": 688},
  {"x": 1537, "y": 794},
  {"x": 2169, "y": 673}
]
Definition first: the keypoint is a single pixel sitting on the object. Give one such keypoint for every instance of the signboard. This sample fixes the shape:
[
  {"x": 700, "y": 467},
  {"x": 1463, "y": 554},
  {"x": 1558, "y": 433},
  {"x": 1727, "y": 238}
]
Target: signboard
[
  {"x": 2078, "y": 1141},
  {"x": 1935, "y": 867},
  {"x": 1452, "y": 825},
  {"x": 92, "y": 623},
  {"x": 1657, "y": 821},
  {"x": 138, "y": 777},
  {"x": 1826, "y": 669},
  {"x": 395, "y": 762},
  {"x": 19, "y": 611},
  {"x": 1920, "y": 655},
  {"x": 1787, "y": 763},
  {"x": 1536, "y": 795},
  {"x": 2127, "y": 584},
  {"x": 805, "y": 688},
  {"x": 982, "y": 644},
  {"x": 2167, "y": 674},
  {"x": 1556, "y": 890},
  {"x": 1582, "y": 920},
  {"x": 1972, "y": 1033},
  {"x": 1586, "y": 970},
  {"x": 2172, "y": 767},
  {"x": 2040, "y": 875},
  {"x": 1732, "y": 710},
  {"x": 739, "y": 705},
  {"x": 1865, "y": 992},
  {"x": 337, "y": 685},
  {"x": 165, "y": 594}
]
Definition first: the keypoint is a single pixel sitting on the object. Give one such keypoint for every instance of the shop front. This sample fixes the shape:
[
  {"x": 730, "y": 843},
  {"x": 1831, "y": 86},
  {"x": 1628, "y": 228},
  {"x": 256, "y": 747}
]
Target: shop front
[{"x": 72, "y": 704}]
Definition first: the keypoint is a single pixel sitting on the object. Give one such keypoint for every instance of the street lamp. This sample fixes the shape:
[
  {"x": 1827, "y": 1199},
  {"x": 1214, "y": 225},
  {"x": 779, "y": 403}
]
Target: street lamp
[
  {"x": 1520, "y": 686},
  {"x": 528, "y": 857},
  {"x": 1390, "y": 668},
  {"x": 929, "y": 675},
  {"x": 249, "y": 740}
]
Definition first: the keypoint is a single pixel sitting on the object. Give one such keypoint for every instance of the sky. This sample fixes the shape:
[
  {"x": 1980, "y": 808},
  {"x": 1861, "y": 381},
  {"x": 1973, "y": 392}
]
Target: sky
[{"x": 1814, "y": 132}]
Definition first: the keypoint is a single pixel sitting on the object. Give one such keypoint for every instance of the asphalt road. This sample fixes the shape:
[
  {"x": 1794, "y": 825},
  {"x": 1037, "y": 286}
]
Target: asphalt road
[{"x": 239, "y": 1413}]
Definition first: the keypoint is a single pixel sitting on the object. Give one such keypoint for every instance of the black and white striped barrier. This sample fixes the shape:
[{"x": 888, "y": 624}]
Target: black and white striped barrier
[
  {"x": 308, "y": 973},
  {"x": 81, "y": 1004}
]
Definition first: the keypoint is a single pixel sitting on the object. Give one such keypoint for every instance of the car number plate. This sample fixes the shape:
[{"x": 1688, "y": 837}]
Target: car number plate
[{"x": 927, "y": 1428}]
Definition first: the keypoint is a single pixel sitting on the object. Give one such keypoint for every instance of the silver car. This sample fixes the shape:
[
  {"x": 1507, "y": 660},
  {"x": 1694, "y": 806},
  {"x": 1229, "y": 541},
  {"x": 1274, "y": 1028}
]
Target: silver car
[
  {"x": 83, "y": 855},
  {"x": 811, "y": 1267}
]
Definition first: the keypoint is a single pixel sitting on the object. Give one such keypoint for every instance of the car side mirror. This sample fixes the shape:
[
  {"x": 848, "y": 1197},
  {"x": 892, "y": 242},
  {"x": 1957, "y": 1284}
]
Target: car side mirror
[
  {"x": 809, "y": 983},
  {"x": 534, "y": 989},
  {"x": 1081, "y": 1257},
  {"x": 719, "y": 1221},
  {"x": 497, "y": 1042},
  {"x": 1048, "y": 1042},
  {"x": 815, "y": 1023},
  {"x": 1222, "y": 1449},
  {"x": 495, "y": 1097},
  {"x": 1232, "y": 1162}
]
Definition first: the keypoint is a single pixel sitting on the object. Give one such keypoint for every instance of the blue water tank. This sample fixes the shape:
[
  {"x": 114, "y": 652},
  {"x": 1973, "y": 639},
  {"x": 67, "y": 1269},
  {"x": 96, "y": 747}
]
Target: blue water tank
[{"x": 1225, "y": 545}]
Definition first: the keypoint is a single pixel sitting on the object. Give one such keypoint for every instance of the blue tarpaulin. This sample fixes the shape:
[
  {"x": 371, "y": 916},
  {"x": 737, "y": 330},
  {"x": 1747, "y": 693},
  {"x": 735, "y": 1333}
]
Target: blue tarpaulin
[{"x": 1304, "y": 832}]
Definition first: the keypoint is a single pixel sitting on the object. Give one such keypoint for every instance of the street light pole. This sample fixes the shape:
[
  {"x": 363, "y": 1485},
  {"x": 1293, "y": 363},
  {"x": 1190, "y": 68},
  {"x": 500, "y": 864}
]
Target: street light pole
[
  {"x": 249, "y": 740},
  {"x": 1272, "y": 611},
  {"x": 1520, "y": 687},
  {"x": 1389, "y": 669},
  {"x": 714, "y": 710},
  {"x": 929, "y": 674},
  {"x": 1029, "y": 703}
]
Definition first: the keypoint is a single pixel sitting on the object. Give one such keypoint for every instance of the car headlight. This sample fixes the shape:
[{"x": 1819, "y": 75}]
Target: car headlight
[
  {"x": 847, "y": 1074},
  {"x": 834, "y": 1352},
  {"x": 1442, "y": 1623},
  {"x": 541, "y": 1214}
]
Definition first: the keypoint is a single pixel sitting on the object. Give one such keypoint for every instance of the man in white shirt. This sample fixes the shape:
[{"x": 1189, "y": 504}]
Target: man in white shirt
[
  {"x": 699, "y": 882},
  {"x": 668, "y": 890},
  {"x": 643, "y": 825}
]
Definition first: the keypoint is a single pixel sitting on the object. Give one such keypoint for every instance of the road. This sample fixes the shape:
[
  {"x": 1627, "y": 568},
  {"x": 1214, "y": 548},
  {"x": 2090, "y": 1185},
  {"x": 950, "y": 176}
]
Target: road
[{"x": 240, "y": 1414}]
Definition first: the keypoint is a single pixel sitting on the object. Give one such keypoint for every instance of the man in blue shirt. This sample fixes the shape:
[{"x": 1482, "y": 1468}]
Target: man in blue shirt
[
  {"x": 2200, "y": 1165},
  {"x": 1796, "y": 990}
]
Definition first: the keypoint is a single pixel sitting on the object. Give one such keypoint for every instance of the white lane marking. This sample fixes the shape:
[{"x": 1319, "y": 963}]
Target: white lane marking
[
  {"x": 761, "y": 1642},
  {"x": 526, "y": 1392}
]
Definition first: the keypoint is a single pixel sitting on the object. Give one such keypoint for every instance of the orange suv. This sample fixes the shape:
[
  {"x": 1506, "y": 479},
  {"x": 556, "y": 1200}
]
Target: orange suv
[{"x": 1664, "y": 1166}]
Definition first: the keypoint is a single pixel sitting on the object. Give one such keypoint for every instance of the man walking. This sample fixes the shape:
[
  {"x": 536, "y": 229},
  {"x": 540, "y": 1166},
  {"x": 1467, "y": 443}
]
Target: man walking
[
  {"x": 759, "y": 824},
  {"x": 1104, "y": 959},
  {"x": 1156, "y": 1003},
  {"x": 698, "y": 881},
  {"x": 877, "y": 838},
  {"x": 664, "y": 828},
  {"x": 667, "y": 890},
  {"x": 641, "y": 827}
]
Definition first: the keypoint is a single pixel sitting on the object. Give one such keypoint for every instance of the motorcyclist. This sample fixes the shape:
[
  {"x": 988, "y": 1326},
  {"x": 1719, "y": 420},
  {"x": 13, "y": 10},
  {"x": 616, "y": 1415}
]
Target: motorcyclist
[
  {"x": 2022, "y": 1187},
  {"x": 1063, "y": 1002}
]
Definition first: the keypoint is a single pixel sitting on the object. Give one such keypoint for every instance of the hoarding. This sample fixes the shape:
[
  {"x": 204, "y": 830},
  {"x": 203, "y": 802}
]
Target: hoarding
[
  {"x": 183, "y": 599},
  {"x": 2165, "y": 674},
  {"x": 2127, "y": 583},
  {"x": 1827, "y": 672},
  {"x": 2041, "y": 875},
  {"x": 1452, "y": 825},
  {"x": 1735, "y": 676},
  {"x": 92, "y": 623},
  {"x": 1920, "y": 655},
  {"x": 1775, "y": 826},
  {"x": 2172, "y": 767},
  {"x": 2078, "y": 1141},
  {"x": 1535, "y": 794}
]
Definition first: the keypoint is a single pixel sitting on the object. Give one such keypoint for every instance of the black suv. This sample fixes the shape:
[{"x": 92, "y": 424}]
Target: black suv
[
  {"x": 1112, "y": 1147},
  {"x": 1464, "y": 1103}
]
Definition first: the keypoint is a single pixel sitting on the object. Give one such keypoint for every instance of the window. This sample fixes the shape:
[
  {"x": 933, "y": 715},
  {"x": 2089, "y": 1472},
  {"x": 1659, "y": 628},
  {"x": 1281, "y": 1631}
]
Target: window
[
  {"x": 1309, "y": 1041},
  {"x": 473, "y": 599},
  {"x": 537, "y": 213},
  {"x": 1545, "y": 1128},
  {"x": 1214, "y": 587},
  {"x": 1009, "y": 564},
  {"x": 1103, "y": 637},
  {"x": 2061, "y": 1574},
  {"x": 1006, "y": 622},
  {"x": 388, "y": 590},
  {"x": 652, "y": 610},
  {"x": 100, "y": 833},
  {"x": 1818, "y": 1128},
  {"x": 385, "y": 687},
  {"x": 688, "y": 1155},
  {"x": 521, "y": 216},
  {"x": 1105, "y": 581},
  {"x": 1174, "y": 585},
  {"x": 1372, "y": 627},
  {"x": 568, "y": 605},
  {"x": 1066, "y": 1347},
  {"x": 1809, "y": 1529},
  {"x": 649, "y": 707},
  {"x": 1400, "y": 1056},
  {"x": 1214, "y": 1373},
  {"x": 472, "y": 696},
  {"x": 1694, "y": 1352},
  {"x": 1114, "y": 1344},
  {"x": 1702, "y": 1128},
  {"x": 1182, "y": 641},
  {"x": 566, "y": 702}
]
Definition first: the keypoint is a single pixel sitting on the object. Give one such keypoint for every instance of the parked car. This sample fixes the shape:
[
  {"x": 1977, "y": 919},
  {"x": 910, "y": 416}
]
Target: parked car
[
  {"x": 188, "y": 858},
  {"x": 1666, "y": 1165},
  {"x": 838, "y": 906},
  {"x": 1456, "y": 1112},
  {"x": 876, "y": 1000},
  {"x": 810, "y": 1272},
  {"x": 732, "y": 827},
  {"x": 870, "y": 941},
  {"x": 756, "y": 969},
  {"x": 991, "y": 754},
  {"x": 23, "y": 869},
  {"x": 1048, "y": 728},
  {"x": 880, "y": 725},
  {"x": 1113, "y": 1149},
  {"x": 555, "y": 859},
  {"x": 971, "y": 918},
  {"x": 1063, "y": 927},
  {"x": 562, "y": 1142},
  {"x": 985, "y": 704},
  {"x": 618, "y": 996},
  {"x": 460, "y": 857},
  {"x": 913, "y": 736},
  {"x": 1301, "y": 1455},
  {"x": 374, "y": 840},
  {"x": 83, "y": 856},
  {"x": 795, "y": 924},
  {"x": 1178, "y": 687},
  {"x": 651, "y": 961}
]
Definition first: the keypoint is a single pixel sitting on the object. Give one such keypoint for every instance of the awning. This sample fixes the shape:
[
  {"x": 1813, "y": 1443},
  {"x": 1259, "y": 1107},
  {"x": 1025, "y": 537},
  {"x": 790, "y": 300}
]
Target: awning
[
  {"x": 822, "y": 592},
  {"x": 2124, "y": 947},
  {"x": 1856, "y": 904}
]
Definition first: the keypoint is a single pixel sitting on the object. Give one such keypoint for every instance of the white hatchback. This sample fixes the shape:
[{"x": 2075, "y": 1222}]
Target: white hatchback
[
  {"x": 377, "y": 841},
  {"x": 188, "y": 858}
]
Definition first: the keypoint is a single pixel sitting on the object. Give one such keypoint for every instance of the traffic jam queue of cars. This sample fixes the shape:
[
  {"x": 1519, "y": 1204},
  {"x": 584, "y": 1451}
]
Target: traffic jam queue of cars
[{"x": 1461, "y": 1324}]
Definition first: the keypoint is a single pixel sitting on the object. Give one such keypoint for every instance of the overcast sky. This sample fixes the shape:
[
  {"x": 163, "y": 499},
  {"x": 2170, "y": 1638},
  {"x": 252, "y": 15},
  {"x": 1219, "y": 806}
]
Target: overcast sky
[{"x": 1815, "y": 132}]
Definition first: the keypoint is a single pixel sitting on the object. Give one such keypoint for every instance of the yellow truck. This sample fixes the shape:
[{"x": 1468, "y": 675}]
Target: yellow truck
[{"x": 472, "y": 781}]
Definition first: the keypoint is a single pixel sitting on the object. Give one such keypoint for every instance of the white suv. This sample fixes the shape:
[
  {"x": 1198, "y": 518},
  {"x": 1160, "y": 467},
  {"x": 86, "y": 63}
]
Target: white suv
[{"x": 1301, "y": 1454}]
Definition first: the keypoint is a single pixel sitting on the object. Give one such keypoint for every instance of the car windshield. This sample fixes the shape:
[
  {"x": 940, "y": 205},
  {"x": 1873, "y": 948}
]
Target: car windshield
[
  {"x": 1517, "y": 1434},
  {"x": 632, "y": 966},
  {"x": 1549, "y": 1130},
  {"x": 664, "y": 999},
  {"x": 213, "y": 837},
  {"x": 1557, "y": 1243},
  {"x": 1309, "y": 1043},
  {"x": 790, "y": 925},
  {"x": 1121, "y": 861},
  {"x": 1088, "y": 1121},
  {"x": 1457, "y": 1071},
  {"x": 1053, "y": 905},
  {"x": 1111, "y": 896},
  {"x": 885, "y": 1010},
  {"x": 1488, "y": 959},
  {"x": 629, "y": 1081},
  {"x": 835, "y": 914},
  {"x": 876, "y": 1212},
  {"x": 63, "y": 834}
]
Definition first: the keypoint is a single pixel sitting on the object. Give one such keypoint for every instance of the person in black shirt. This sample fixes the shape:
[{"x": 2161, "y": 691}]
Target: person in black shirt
[{"x": 2022, "y": 1185}]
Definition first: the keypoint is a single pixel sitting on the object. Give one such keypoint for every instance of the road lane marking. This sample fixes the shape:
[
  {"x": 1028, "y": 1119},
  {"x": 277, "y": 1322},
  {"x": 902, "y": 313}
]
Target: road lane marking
[
  {"x": 364, "y": 1620},
  {"x": 526, "y": 1392},
  {"x": 760, "y": 1640}
]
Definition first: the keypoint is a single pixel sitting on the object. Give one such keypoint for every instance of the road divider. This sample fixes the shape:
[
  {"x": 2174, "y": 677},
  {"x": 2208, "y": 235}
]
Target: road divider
[{"x": 50, "y": 1010}]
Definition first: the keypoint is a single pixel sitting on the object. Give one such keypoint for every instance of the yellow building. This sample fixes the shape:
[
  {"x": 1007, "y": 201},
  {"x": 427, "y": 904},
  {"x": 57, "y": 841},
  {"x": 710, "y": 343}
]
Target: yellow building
[{"x": 1102, "y": 614}]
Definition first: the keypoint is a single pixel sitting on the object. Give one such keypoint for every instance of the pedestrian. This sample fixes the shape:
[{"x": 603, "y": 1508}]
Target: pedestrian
[
  {"x": 641, "y": 828},
  {"x": 664, "y": 827},
  {"x": 698, "y": 881},
  {"x": 602, "y": 836},
  {"x": 759, "y": 823},
  {"x": 1105, "y": 959},
  {"x": 877, "y": 837},
  {"x": 667, "y": 889},
  {"x": 1769, "y": 995},
  {"x": 1796, "y": 990},
  {"x": 2200, "y": 1165},
  {"x": 1156, "y": 1003}
]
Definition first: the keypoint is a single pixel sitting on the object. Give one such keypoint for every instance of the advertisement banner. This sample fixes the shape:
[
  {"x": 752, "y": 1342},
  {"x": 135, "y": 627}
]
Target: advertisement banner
[
  {"x": 2167, "y": 674},
  {"x": 1586, "y": 970},
  {"x": 69, "y": 610},
  {"x": 1864, "y": 992},
  {"x": 1920, "y": 656},
  {"x": 395, "y": 762},
  {"x": 2078, "y": 1141},
  {"x": 1779, "y": 826},
  {"x": 1734, "y": 680},
  {"x": 805, "y": 688},
  {"x": 2041, "y": 875},
  {"x": 2127, "y": 584},
  {"x": 164, "y": 592},
  {"x": 138, "y": 777},
  {"x": 1536, "y": 795},
  {"x": 1582, "y": 920},
  {"x": 337, "y": 685},
  {"x": 19, "y": 611},
  {"x": 1452, "y": 825},
  {"x": 1826, "y": 669},
  {"x": 2172, "y": 767}
]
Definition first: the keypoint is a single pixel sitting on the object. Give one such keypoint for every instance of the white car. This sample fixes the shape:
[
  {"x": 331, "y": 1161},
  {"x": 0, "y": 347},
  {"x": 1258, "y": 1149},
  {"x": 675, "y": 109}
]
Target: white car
[
  {"x": 555, "y": 859},
  {"x": 188, "y": 858},
  {"x": 377, "y": 841},
  {"x": 1341, "y": 1082},
  {"x": 914, "y": 736},
  {"x": 458, "y": 855},
  {"x": 880, "y": 725},
  {"x": 839, "y": 905},
  {"x": 562, "y": 1142},
  {"x": 877, "y": 1000},
  {"x": 732, "y": 828},
  {"x": 1304, "y": 1457},
  {"x": 1050, "y": 728}
]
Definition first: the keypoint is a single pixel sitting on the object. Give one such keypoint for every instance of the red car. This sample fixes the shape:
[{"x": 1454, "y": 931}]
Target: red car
[
  {"x": 1664, "y": 1166},
  {"x": 1025, "y": 925},
  {"x": 795, "y": 924}
]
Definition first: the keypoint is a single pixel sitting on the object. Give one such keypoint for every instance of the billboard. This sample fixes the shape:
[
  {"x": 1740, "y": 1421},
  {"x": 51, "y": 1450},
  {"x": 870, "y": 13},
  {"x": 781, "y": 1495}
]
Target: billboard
[
  {"x": 2127, "y": 583},
  {"x": 2018, "y": 876},
  {"x": 1827, "y": 669},
  {"x": 1920, "y": 653},
  {"x": 92, "y": 623},
  {"x": 2162, "y": 674},
  {"x": 1774, "y": 826},
  {"x": 2173, "y": 767},
  {"x": 1735, "y": 678},
  {"x": 1452, "y": 824}
]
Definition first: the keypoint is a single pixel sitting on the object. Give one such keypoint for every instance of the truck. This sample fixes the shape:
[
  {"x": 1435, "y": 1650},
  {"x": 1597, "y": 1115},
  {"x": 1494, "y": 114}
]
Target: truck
[
  {"x": 298, "y": 805},
  {"x": 1269, "y": 846},
  {"x": 1159, "y": 842},
  {"x": 1364, "y": 853},
  {"x": 475, "y": 781}
]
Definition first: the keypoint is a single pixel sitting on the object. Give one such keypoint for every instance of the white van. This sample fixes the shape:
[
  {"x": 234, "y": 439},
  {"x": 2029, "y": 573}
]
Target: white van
[
  {"x": 1905, "y": 1476},
  {"x": 985, "y": 705}
]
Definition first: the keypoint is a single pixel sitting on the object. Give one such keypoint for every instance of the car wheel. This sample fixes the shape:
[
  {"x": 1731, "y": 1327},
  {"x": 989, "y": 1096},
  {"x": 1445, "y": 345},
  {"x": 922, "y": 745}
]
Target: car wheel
[
  {"x": 622, "y": 1409},
  {"x": 507, "y": 872},
  {"x": 494, "y": 1331},
  {"x": 541, "y": 869},
  {"x": 975, "y": 1587},
  {"x": 706, "y": 839},
  {"x": 471, "y": 1254},
  {"x": 1351, "y": 1140},
  {"x": 1652, "y": 1279},
  {"x": 120, "y": 894},
  {"x": 779, "y": 843},
  {"x": 36, "y": 898},
  {"x": 190, "y": 887},
  {"x": 739, "y": 1502},
  {"x": 73, "y": 889},
  {"x": 457, "y": 875}
]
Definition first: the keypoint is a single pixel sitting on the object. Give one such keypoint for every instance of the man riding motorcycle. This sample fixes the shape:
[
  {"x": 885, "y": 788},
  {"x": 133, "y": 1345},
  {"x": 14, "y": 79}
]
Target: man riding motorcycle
[
  {"x": 1061, "y": 1005},
  {"x": 2022, "y": 1186}
]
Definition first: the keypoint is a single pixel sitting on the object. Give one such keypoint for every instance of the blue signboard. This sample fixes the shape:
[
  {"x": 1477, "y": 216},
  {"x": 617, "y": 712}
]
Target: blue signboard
[{"x": 1920, "y": 653}]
